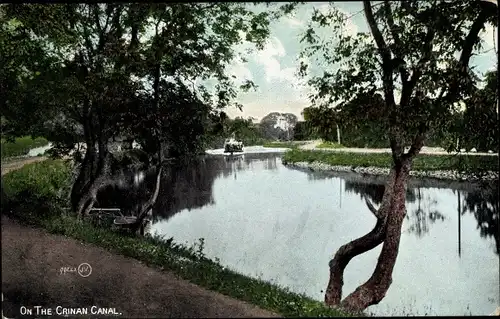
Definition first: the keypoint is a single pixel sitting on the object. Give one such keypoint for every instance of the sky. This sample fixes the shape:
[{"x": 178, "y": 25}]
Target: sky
[{"x": 274, "y": 69}]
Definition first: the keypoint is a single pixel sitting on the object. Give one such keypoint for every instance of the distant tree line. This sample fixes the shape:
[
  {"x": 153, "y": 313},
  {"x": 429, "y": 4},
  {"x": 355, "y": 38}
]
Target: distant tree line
[
  {"x": 244, "y": 130},
  {"x": 476, "y": 127}
]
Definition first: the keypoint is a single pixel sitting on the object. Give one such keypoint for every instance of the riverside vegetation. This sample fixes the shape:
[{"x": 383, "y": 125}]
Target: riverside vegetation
[
  {"x": 45, "y": 185},
  {"x": 470, "y": 165},
  {"x": 21, "y": 146}
]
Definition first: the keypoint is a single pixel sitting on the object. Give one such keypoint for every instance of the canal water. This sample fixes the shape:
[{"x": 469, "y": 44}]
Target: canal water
[{"x": 283, "y": 225}]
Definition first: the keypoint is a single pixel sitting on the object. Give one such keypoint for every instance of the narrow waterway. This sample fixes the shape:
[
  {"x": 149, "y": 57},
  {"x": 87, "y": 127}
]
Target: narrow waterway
[{"x": 283, "y": 225}]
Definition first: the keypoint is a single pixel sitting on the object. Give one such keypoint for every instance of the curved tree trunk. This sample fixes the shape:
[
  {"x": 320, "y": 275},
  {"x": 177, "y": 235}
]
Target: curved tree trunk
[
  {"x": 358, "y": 246},
  {"x": 100, "y": 178},
  {"x": 374, "y": 290},
  {"x": 387, "y": 230}
]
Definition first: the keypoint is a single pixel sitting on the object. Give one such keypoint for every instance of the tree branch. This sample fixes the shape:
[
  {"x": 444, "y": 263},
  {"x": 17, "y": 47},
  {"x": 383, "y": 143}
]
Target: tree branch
[
  {"x": 388, "y": 83},
  {"x": 384, "y": 53},
  {"x": 466, "y": 54},
  {"x": 397, "y": 41},
  {"x": 101, "y": 30},
  {"x": 416, "y": 146},
  {"x": 409, "y": 86}
]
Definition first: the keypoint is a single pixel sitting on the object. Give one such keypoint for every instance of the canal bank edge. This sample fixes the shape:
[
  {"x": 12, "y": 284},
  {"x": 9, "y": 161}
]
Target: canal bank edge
[
  {"x": 380, "y": 171},
  {"x": 187, "y": 262}
]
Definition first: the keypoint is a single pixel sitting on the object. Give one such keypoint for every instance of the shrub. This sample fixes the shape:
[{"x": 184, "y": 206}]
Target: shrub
[{"x": 36, "y": 190}]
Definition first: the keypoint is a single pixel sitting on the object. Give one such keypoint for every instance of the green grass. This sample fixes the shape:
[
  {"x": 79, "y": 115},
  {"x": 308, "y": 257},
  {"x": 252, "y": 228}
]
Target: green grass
[
  {"x": 21, "y": 146},
  {"x": 327, "y": 144},
  {"x": 422, "y": 162},
  {"x": 36, "y": 194},
  {"x": 292, "y": 145}
]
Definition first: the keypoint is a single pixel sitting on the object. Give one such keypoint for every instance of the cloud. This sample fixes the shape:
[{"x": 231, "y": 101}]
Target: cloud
[
  {"x": 268, "y": 59},
  {"x": 274, "y": 68},
  {"x": 239, "y": 70}
]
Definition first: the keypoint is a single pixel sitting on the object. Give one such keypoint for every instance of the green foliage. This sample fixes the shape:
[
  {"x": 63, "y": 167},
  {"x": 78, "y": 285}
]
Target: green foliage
[
  {"x": 21, "y": 146},
  {"x": 481, "y": 117},
  {"x": 303, "y": 131},
  {"x": 291, "y": 145},
  {"x": 321, "y": 122},
  {"x": 36, "y": 190},
  {"x": 81, "y": 68},
  {"x": 330, "y": 145},
  {"x": 244, "y": 130},
  {"x": 45, "y": 179},
  {"x": 423, "y": 162},
  {"x": 361, "y": 73}
]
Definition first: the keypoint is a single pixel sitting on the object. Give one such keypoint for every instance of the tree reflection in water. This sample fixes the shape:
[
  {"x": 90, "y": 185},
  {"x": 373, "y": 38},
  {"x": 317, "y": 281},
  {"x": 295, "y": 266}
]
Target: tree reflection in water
[
  {"x": 184, "y": 185},
  {"x": 190, "y": 185},
  {"x": 423, "y": 214},
  {"x": 483, "y": 204},
  {"x": 420, "y": 218}
]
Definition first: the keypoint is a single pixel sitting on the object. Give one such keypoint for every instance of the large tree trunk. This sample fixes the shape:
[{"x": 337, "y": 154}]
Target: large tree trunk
[
  {"x": 88, "y": 166},
  {"x": 95, "y": 170},
  {"x": 387, "y": 230},
  {"x": 102, "y": 175},
  {"x": 156, "y": 107}
]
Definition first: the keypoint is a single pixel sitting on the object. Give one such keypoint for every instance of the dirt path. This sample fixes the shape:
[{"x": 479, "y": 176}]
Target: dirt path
[
  {"x": 31, "y": 264},
  {"x": 9, "y": 166}
]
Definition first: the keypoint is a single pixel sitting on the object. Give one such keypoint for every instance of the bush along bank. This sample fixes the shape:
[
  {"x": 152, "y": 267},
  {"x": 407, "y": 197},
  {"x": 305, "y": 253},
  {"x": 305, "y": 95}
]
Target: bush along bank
[
  {"x": 451, "y": 167},
  {"x": 44, "y": 186}
]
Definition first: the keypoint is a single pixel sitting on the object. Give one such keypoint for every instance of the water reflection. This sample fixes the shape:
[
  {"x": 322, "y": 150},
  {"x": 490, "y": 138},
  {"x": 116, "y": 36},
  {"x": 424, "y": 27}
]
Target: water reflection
[
  {"x": 420, "y": 217},
  {"x": 189, "y": 186},
  {"x": 424, "y": 214},
  {"x": 483, "y": 204},
  {"x": 184, "y": 186}
]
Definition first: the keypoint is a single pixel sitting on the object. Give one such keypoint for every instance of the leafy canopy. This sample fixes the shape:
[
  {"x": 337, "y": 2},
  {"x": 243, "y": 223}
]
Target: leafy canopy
[
  {"x": 70, "y": 68},
  {"x": 407, "y": 73}
]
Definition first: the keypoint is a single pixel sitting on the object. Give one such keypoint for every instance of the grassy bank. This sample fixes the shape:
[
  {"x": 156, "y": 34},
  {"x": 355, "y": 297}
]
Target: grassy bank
[
  {"x": 329, "y": 145},
  {"x": 292, "y": 145},
  {"x": 21, "y": 146},
  {"x": 422, "y": 162},
  {"x": 37, "y": 192}
]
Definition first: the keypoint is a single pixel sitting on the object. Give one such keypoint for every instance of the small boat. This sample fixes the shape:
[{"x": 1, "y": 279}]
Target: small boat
[{"x": 233, "y": 146}]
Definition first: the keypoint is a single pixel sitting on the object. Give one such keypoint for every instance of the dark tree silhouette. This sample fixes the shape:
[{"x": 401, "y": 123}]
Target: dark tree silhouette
[{"x": 483, "y": 204}]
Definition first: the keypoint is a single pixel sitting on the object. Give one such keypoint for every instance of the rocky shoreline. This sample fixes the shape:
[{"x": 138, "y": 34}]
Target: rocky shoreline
[{"x": 443, "y": 175}]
